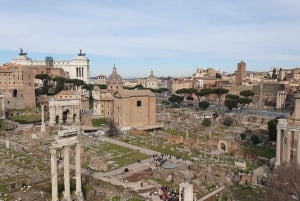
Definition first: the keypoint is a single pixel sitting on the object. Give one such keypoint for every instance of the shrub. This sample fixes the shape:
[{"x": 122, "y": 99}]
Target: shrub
[
  {"x": 203, "y": 105},
  {"x": 227, "y": 121},
  {"x": 254, "y": 139},
  {"x": 243, "y": 135},
  {"x": 206, "y": 122}
]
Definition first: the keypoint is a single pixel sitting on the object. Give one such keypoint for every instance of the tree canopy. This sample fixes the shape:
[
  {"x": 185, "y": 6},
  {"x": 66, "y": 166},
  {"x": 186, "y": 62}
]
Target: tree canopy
[
  {"x": 272, "y": 129},
  {"x": 220, "y": 92},
  {"x": 247, "y": 93},
  {"x": 176, "y": 100}
]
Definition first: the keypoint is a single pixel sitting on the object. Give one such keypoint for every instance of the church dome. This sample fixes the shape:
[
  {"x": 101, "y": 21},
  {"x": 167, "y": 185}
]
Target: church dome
[{"x": 114, "y": 78}]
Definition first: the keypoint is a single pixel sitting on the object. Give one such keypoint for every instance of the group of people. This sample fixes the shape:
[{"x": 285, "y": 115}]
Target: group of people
[{"x": 160, "y": 159}]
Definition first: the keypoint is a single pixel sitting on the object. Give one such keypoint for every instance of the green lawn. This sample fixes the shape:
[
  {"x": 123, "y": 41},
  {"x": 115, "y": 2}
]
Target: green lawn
[
  {"x": 246, "y": 193},
  {"x": 122, "y": 156},
  {"x": 261, "y": 151}
]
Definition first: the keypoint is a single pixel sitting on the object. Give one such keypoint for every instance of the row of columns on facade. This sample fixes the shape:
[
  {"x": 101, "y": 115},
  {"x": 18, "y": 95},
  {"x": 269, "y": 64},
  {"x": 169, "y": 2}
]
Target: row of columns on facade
[
  {"x": 79, "y": 72},
  {"x": 281, "y": 96},
  {"x": 54, "y": 181},
  {"x": 284, "y": 148}
]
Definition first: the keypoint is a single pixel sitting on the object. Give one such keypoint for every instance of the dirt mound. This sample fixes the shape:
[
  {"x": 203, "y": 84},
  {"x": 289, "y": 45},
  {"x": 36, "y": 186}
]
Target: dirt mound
[{"x": 138, "y": 176}]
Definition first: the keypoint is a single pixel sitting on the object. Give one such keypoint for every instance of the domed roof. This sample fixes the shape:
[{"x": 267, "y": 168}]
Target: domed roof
[{"x": 114, "y": 78}]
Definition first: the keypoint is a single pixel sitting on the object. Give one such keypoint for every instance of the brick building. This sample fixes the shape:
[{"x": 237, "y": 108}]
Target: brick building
[
  {"x": 128, "y": 108},
  {"x": 17, "y": 86}
]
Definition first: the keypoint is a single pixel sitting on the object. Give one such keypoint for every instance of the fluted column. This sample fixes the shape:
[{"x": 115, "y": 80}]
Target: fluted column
[
  {"x": 78, "y": 173},
  {"x": 278, "y": 147},
  {"x": 67, "y": 194},
  {"x": 54, "y": 174}
]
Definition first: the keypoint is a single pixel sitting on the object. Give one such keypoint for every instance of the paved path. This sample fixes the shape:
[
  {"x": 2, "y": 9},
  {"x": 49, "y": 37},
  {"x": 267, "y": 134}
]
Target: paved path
[
  {"x": 124, "y": 144},
  {"x": 212, "y": 193}
]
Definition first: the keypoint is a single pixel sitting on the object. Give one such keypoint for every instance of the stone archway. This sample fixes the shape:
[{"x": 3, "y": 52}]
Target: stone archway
[
  {"x": 65, "y": 116},
  {"x": 57, "y": 119},
  {"x": 74, "y": 118},
  {"x": 222, "y": 146}
]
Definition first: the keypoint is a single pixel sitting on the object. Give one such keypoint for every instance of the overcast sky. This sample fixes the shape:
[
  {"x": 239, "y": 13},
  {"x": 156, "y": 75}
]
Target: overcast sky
[{"x": 170, "y": 37}]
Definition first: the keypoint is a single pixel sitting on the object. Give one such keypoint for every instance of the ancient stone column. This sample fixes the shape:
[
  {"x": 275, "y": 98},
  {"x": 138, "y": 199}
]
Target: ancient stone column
[
  {"x": 43, "y": 129},
  {"x": 67, "y": 194},
  {"x": 283, "y": 148},
  {"x": 78, "y": 173},
  {"x": 278, "y": 147},
  {"x": 298, "y": 148},
  {"x": 180, "y": 192},
  {"x": 288, "y": 146},
  {"x": 54, "y": 174}
]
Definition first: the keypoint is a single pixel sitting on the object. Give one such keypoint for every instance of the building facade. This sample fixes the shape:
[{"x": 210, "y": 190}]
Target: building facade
[
  {"x": 77, "y": 68},
  {"x": 288, "y": 137},
  {"x": 17, "y": 86},
  {"x": 64, "y": 108},
  {"x": 135, "y": 108},
  {"x": 127, "y": 108}
]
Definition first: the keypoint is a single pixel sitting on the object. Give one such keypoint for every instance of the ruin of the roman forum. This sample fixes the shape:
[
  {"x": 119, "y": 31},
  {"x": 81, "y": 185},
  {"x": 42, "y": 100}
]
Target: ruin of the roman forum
[{"x": 65, "y": 135}]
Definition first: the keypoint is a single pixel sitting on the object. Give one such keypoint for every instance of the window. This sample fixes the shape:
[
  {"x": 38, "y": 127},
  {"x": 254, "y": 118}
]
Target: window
[{"x": 139, "y": 103}]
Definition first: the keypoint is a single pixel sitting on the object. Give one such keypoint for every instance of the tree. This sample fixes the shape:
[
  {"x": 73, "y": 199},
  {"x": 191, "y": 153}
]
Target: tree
[
  {"x": 244, "y": 101},
  {"x": 205, "y": 92},
  {"x": 60, "y": 82},
  {"x": 231, "y": 103},
  {"x": 203, "y": 105},
  {"x": 89, "y": 88},
  {"x": 220, "y": 92},
  {"x": 186, "y": 92},
  {"x": 139, "y": 87},
  {"x": 45, "y": 78},
  {"x": 243, "y": 135},
  {"x": 176, "y": 100},
  {"x": 160, "y": 90},
  {"x": 247, "y": 93},
  {"x": 206, "y": 122},
  {"x": 272, "y": 127},
  {"x": 102, "y": 86},
  {"x": 232, "y": 96},
  {"x": 190, "y": 99},
  {"x": 113, "y": 130},
  {"x": 254, "y": 139}
]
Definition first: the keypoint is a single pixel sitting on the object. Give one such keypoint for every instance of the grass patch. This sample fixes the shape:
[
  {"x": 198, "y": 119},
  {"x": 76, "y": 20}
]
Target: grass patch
[
  {"x": 261, "y": 151},
  {"x": 98, "y": 122},
  {"x": 5, "y": 125},
  {"x": 247, "y": 193},
  {"x": 25, "y": 119},
  {"x": 129, "y": 158}
]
